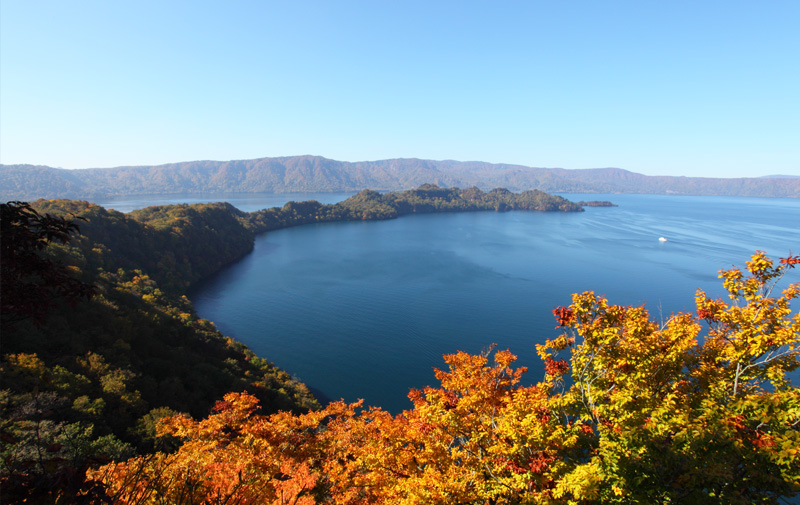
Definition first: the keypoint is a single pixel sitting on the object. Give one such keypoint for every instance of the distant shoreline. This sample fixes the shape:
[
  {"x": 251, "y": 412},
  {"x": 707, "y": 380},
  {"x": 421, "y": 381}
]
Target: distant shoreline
[{"x": 298, "y": 174}]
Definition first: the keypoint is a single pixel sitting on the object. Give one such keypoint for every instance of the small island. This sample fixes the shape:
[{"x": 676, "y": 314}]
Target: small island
[
  {"x": 597, "y": 203},
  {"x": 369, "y": 205}
]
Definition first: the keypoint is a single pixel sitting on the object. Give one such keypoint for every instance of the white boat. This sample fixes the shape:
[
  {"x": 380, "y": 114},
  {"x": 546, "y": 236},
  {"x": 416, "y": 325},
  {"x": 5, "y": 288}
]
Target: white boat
[{"x": 662, "y": 239}]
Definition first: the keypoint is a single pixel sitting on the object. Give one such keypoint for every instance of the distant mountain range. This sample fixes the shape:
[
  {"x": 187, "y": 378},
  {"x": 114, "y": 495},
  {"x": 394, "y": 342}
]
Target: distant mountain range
[{"x": 317, "y": 174}]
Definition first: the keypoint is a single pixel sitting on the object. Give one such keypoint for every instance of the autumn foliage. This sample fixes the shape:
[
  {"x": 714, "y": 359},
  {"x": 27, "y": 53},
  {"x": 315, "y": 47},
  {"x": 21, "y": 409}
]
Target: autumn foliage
[{"x": 695, "y": 409}]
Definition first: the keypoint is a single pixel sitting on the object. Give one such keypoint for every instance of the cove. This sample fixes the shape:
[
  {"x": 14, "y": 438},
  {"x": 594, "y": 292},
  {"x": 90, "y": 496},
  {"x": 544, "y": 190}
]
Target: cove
[{"x": 366, "y": 309}]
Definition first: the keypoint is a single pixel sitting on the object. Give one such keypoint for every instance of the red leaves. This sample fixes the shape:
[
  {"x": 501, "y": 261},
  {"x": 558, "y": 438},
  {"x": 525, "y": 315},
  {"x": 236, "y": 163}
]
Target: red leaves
[
  {"x": 707, "y": 314},
  {"x": 555, "y": 367},
  {"x": 509, "y": 465},
  {"x": 544, "y": 415},
  {"x": 539, "y": 463},
  {"x": 763, "y": 440},
  {"x": 417, "y": 396},
  {"x": 564, "y": 316},
  {"x": 222, "y": 406},
  {"x": 451, "y": 400},
  {"x": 736, "y": 422},
  {"x": 754, "y": 436},
  {"x": 790, "y": 261},
  {"x": 427, "y": 428}
]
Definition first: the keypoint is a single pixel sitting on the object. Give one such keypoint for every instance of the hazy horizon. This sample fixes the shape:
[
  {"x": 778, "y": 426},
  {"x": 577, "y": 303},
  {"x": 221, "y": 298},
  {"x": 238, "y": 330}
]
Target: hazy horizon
[
  {"x": 695, "y": 89},
  {"x": 790, "y": 176}
]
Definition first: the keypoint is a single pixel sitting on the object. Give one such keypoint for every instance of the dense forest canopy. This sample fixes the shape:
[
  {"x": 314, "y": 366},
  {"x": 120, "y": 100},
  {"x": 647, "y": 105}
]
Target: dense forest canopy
[{"x": 317, "y": 174}]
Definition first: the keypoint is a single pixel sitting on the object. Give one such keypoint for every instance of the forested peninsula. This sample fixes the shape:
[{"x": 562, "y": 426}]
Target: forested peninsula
[{"x": 100, "y": 341}]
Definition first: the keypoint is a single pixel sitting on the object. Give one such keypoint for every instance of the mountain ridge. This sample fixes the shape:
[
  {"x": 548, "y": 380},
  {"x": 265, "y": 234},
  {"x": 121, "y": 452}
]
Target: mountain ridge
[{"x": 309, "y": 173}]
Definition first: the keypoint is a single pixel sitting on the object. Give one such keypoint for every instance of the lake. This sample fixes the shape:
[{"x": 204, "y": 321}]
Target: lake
[{"x": 366, "y": 309}]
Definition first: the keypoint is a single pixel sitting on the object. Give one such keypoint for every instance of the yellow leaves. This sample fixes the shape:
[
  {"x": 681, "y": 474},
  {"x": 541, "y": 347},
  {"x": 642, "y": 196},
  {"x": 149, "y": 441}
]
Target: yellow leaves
[
  {"x": 732, "y": 281},
  {"x": 181, "y": 426},
  {"x": 465, "y": 442},
  {"x": 763, "y": 274},
  {"x": 27, "y": 363},
  {"x": 761, "y": 267},
  {"x": 503, "y": 359},
  {"x": 707, "y": 308},
  {"x": 558, "y": 344},
  {"x": 582, "y": 483},
  {"x": 620, "y": 349},
  {"x": 757, "y": 341},
  {"x": 791, "y": 292}
]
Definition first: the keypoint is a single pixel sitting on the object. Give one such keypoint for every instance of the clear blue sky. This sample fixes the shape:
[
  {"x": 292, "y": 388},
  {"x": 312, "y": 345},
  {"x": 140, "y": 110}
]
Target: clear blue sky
[{"x": 696, "y": 88}]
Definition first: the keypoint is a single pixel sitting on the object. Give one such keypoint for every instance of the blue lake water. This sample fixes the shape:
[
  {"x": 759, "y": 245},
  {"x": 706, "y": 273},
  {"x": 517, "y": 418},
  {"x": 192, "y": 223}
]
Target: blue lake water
[{"x": 366, "y": 309}]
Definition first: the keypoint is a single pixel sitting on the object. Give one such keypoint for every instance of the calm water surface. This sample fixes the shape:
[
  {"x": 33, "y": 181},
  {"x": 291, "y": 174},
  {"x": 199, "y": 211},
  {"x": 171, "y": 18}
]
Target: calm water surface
[{"x": 366, "y": 309}]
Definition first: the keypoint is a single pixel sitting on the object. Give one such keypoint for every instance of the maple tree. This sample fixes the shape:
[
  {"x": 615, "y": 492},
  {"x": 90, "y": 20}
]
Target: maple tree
[{"x": 698, "y": 409}]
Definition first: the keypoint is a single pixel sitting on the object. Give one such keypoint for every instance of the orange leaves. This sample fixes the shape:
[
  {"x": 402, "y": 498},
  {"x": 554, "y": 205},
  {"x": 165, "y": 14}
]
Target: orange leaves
[
  {"x": 468, "y": 441},
  {"x": 705, "y": 313},
  {"x": 503, "y": 359},
  {"x": 233, "y": 456},
  {"x": 471, "y": 381},
  {"x": 222, "y": 406},
  {"x": 294, "y": 484},
  {"x": 707, "y": 308},
  {"x": 417, "y": 397},
  {"x": 763, "y": 441},
  {"x": 790, "y": 261},
  {"x": 564, "y": 316}
]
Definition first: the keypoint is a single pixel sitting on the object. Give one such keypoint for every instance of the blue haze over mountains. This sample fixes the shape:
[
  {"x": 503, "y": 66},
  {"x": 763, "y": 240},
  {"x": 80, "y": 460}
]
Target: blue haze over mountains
[{"x": 318, "y": 174}]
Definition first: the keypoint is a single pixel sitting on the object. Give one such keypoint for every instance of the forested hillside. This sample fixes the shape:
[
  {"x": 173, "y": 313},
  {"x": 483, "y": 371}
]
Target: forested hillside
[
  {"x": 87, "y": 379},
  {"x": 99, "y": 341},
  {"x": 317, "y": 174}
]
